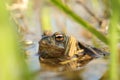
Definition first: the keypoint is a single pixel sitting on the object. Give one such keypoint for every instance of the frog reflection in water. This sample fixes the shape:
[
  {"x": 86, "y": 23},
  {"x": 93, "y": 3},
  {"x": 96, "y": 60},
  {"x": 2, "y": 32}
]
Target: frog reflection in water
[{"x": 60, "y": 50}]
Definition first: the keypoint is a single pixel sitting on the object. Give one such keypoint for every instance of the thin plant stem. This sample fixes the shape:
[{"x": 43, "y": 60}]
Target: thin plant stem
[{"x": 79, "y": 20}]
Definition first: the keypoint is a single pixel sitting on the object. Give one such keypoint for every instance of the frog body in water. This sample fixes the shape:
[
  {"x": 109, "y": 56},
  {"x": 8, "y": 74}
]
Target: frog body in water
[{"x": 61, "y": 50}]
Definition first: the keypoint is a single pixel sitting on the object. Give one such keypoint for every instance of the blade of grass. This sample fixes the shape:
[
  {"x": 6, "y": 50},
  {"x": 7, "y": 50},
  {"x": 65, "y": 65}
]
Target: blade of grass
[
  {"x": 12, "y": 64},
  {"x": 46, "y": 19},
  {"x": 113, "y": 38},
  {"x": 79, "y": 20}
]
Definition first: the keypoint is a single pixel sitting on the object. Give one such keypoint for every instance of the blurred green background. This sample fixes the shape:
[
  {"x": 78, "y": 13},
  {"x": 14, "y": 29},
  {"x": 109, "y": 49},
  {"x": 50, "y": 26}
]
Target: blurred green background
[{"x": 23, "y": 21}]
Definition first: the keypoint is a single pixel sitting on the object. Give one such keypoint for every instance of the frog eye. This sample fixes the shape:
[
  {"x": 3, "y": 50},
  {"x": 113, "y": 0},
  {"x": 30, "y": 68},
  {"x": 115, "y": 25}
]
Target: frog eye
[{"x": 59, "y": 37}]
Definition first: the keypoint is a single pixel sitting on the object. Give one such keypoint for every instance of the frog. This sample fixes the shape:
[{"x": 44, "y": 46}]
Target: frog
[{"x": 62, "y": 50}]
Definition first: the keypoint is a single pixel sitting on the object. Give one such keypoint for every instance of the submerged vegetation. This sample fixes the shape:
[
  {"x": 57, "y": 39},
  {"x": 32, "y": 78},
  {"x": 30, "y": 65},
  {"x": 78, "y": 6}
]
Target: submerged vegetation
[{"x": 17, "y": 25}]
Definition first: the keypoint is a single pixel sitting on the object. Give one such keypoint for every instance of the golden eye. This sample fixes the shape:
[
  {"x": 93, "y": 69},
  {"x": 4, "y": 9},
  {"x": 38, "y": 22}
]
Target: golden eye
[{"x": 59, "y": 37}]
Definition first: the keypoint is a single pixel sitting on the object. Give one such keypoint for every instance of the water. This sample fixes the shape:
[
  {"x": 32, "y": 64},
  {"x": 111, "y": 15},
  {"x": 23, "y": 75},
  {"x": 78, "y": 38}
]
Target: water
[{"x": 92, "y": 71}]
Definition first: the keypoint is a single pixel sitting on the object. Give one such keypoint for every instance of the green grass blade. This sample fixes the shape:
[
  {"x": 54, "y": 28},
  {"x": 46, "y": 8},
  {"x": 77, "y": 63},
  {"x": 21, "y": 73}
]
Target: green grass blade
[
  {"x": 46, "y": 19},
  {"x": 113, "y": 38},
  {"x": 79, "y": 20},
  {"x": 12, "y": 63}
]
